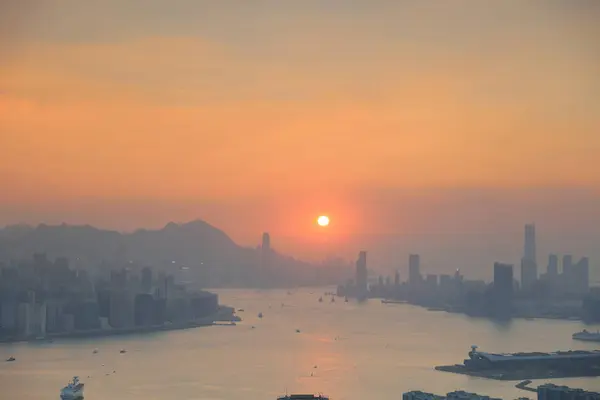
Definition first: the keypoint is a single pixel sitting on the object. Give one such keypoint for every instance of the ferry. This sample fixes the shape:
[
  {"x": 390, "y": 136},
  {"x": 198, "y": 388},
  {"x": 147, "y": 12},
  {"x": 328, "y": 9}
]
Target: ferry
[
  {"x": 587, "y": 336},
  {"x": 303, "y": 397},
  {"x": 73, "y": 391}
]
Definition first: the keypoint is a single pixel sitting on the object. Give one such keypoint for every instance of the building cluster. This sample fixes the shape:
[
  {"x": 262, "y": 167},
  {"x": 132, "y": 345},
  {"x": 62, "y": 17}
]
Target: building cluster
[
  {"x": 456, "y": 395},
  {"x": 544, "y": 392},
  {"x": 42, "y": 297},
  {"x": 555, "y": 293}
]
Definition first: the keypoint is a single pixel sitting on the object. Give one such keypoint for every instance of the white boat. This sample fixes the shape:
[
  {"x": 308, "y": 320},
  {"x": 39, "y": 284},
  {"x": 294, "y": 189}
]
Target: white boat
[
  {"x": 73, "y": 391},
  {"x": 587, "y": 336}
]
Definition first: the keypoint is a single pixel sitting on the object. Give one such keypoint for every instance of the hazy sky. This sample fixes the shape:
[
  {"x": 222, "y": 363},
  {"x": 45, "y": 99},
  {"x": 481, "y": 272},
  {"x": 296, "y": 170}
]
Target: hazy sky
[{"x": 392, "y": 116}]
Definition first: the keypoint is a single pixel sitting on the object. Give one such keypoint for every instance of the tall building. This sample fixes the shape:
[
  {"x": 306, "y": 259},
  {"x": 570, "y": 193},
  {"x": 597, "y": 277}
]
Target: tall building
[
  {"x": 397, "y": 279},
  {"x": 266, "y": 251},
  {"x": 529, "y": 260},
  {"x": 567, "y": 264},
  {"x": 361, "y": 274},
  {"x": 503, "y": 279},
  {"x": 528, "y": 273},
  {"x": 502, "y": 291},
  {"x": 529, "y": 252},
  {"x": 147, "y": 280},
  {"x": 552, "y": 265},
  {"x": 581, "y": 276},
  {"x": 414, "y": 273}
]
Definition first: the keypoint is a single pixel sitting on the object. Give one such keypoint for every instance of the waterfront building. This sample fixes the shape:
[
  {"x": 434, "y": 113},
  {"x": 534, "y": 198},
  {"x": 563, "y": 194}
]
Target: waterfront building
[
  {"x": 419, "y": 395},
  {"x": 552, "y": 270},
  {"x": 414, "y": 272},
  {"x": 361, "y": 275},
  {"x": 121, "y": 313},
  {"x": 528, "y": 274},
  {"x": 147, "y": 280},
  {"x": 462, "y": 395},
  {"x": 550, "y": 391}
]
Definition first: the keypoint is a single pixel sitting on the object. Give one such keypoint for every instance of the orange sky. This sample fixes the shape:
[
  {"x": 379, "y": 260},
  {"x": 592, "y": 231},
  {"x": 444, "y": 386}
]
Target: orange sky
[{"x": 302, "y": 105}]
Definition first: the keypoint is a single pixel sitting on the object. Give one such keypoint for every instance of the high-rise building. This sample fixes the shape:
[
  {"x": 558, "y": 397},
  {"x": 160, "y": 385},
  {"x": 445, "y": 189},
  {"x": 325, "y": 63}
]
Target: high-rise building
[
  {"x": 361, "y": 274},
  {"x": 529, "y": 252},
  {"x": 581, "y": 276},
  {"x": 567, "y": 264},
  {"x": 529, "y": 260},
  {"x": 397, "y": 279},
  {"x": 552, "y": 265},
  {"x": 528, "y": 273},
  {"x": 414, "y": 273},
  {"x": 147, "y": 280},
  {"x": 502, "y": 291},
  {"x": 266, "y": 251}
]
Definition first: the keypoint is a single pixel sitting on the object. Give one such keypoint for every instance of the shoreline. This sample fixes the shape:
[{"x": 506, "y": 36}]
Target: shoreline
[
  {"x": 517, "y": 375},
  {"x": 198, "y": 323}
]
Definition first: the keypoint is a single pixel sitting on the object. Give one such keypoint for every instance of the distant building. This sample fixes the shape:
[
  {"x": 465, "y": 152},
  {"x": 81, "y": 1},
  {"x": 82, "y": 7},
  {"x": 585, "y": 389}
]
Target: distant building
[
  {"x": 581, "y": 276},
  {"x": 414, "y": 272},
  {"x": 147, "y": 280},
  {"x": 361, "y": 275},
  {"x": 528, "y": 274},
  {"x": 567, "y": 264},
  {"x": 529, "y": 251},
  {"x": 397, "y": 279},
  {"x": 462, "y": 395},
  {"x": 432, "y": 281},
  {"x": 121, "y": 309},
  {"x": 144, "y": 310},
  {"x": 552, "y": 270},
  {"x": 502, "y": 291},
  {"x": 503, "y": 279},
  {"x": 418, "y": 395},
  {"x": 550, "y": 391}
]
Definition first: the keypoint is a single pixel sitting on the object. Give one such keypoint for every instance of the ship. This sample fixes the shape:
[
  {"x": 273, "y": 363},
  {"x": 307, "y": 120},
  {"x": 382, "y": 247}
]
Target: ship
[
  {"x": 570, "y": 359},
  {"x": 73, "y": 391},
  {"x": 587, "y": 336},
  {"x": 303, "y": 397}
]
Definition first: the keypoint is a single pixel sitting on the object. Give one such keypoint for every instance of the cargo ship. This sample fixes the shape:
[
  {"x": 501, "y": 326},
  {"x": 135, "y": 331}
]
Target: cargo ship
[{"x": 530, "y": 365}]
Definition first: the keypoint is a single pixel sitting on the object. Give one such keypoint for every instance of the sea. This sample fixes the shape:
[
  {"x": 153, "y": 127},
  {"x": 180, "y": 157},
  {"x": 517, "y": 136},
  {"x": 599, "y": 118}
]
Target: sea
[{"x": 343, "y": 350}]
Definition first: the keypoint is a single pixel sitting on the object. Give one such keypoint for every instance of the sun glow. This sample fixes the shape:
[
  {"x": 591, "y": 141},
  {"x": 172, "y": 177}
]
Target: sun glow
[{"x": 323, "y": 220}]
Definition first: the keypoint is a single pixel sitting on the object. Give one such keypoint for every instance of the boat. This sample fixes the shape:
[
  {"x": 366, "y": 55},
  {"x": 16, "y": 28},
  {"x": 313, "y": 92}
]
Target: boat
[
  {"x": 10, "y": 359},
  {"x": 260, "y": 315},
  {"x": 95, "y": 351},
  {"x": 333, "y": 299},
  {"x": 345, "y": 299},
  {"x": 303, "y": 397},
  {"x": 320, "y": 299},
  {"x": 123, "y": 351},
  {"x": 73, "y": 391},
  {"x": 297, "y": 330},
  {"x": 587, "y": 336}
]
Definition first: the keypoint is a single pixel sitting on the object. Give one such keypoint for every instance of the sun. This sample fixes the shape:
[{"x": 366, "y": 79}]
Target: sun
[{"x": 323, "y": 220}]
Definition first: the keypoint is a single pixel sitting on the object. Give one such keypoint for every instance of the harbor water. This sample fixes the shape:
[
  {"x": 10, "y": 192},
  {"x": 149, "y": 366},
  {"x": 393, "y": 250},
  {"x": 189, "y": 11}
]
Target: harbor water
[{"x": 345, "y": 350}]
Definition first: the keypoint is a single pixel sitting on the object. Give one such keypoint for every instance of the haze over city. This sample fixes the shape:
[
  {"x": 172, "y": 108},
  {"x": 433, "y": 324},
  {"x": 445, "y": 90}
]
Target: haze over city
[{"x": 434, "y": 128}]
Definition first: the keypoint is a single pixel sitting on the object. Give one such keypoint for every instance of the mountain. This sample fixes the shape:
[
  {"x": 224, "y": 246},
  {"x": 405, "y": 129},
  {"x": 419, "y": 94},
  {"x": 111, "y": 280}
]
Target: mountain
[{"x": 208, "y": 252}]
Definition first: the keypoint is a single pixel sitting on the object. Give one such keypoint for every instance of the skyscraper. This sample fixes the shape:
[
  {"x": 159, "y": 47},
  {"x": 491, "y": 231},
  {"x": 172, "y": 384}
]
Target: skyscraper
[
  {"x": 529, "y": 252},
  {"x": 502, "y": 291},
  {"x": 414, "y": 273},
  {"x": 552, "y": 265},
  {"x": 266, "y": 251},
  {"x": 361, "y": 274},
  {"x": 528, "y": 262}
]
